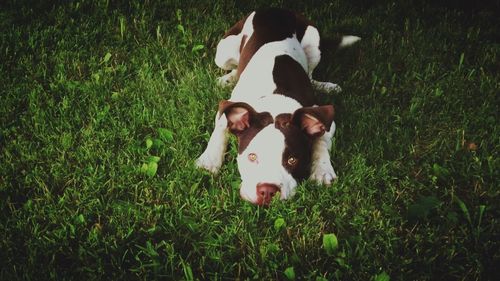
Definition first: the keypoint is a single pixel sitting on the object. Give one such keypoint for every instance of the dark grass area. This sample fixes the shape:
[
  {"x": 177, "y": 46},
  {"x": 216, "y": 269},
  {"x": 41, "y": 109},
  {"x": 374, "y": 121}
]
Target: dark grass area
[{"x": 106, "y": 104}]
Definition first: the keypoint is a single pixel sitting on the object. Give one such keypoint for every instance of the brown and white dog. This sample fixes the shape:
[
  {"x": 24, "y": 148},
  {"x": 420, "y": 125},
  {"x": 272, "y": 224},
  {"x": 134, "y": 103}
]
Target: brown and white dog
[{"x": 283, "y": 136}]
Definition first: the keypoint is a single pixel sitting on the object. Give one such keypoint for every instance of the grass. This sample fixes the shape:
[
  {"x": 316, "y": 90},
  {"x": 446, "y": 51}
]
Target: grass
[{"x": 106, "y": 104}]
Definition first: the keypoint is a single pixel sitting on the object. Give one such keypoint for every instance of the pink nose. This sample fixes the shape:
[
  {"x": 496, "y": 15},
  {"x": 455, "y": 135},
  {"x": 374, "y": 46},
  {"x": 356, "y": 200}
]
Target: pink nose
[{"x": 265, "y": 192}]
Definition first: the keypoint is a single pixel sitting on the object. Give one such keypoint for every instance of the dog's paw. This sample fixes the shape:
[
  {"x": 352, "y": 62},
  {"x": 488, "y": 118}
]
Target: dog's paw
[
  {"x": 211, "y": 164},
  {"x": 329, "y": 88},
  {"x": 323, "y": 173},
  {"x": 326, "y": 87},
  {"x": 227, "y": 80},
  {"x": 223, "y": 81}
]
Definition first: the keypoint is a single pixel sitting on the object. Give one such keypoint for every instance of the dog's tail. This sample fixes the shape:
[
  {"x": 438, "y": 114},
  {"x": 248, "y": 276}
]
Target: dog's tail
[
  {"x": 330, "y": 45},
  {"x": 348, "y": 40}
]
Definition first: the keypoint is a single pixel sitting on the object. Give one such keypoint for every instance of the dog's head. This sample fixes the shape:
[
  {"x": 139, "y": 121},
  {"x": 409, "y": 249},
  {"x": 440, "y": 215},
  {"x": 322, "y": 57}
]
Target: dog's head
[{"x": 274, "y": 154}]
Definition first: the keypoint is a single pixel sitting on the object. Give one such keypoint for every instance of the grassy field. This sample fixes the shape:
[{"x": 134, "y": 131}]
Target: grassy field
[{"x": 106, "y": 104}]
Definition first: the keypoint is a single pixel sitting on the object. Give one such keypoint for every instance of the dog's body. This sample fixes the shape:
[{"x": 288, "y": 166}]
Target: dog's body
[
  {"x": 243, "y": 40},
  {"x": 283, "y": 136}
]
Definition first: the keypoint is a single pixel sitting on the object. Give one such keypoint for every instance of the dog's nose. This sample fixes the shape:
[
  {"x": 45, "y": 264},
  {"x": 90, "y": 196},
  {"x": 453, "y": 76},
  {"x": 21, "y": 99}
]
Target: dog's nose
[{"x": 265, "y": 192}]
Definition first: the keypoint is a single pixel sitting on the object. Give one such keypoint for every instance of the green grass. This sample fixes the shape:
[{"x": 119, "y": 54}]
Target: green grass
[{"x": 106, "y": 104}]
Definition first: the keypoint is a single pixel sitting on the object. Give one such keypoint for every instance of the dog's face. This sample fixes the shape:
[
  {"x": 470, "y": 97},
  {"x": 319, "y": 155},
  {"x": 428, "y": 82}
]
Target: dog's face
[{"x": 274, "y": 154}]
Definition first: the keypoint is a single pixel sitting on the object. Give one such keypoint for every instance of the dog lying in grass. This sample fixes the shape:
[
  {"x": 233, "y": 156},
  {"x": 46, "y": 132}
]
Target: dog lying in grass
[{"x": 283, "y": 135}]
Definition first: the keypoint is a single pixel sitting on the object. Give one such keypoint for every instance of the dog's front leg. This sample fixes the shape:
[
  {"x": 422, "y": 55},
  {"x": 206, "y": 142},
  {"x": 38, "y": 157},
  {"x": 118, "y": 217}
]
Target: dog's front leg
[
  {"x": 213, "y": 156},
  {"x": 321, "y": 167}
]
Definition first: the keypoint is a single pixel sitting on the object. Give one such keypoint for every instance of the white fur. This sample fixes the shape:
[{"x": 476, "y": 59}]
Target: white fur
[
  {"x": 268, "y": 145},
  {"x": 310, "y": 44},
  {"x": 227, "y": 56},
  {"x": 321, "y": 166}
]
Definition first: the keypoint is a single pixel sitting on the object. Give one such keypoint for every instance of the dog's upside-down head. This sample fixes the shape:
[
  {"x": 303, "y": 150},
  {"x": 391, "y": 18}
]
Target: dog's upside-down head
[{"x": 274, "y": 154}]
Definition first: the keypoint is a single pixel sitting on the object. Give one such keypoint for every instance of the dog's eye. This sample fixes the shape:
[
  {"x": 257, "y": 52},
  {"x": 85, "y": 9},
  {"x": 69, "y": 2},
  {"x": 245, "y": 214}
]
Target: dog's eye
[
  {"x": 252, "y": 157},
  {"x": 292, "y": 161}
]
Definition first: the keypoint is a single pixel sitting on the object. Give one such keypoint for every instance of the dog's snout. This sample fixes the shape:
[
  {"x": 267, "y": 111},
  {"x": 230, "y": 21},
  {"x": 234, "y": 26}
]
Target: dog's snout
[{"x": 265, "y": 192}]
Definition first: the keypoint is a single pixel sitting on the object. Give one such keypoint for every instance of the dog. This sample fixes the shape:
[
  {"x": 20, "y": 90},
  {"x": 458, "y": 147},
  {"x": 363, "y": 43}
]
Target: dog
[{"x": 283, "y": 135}]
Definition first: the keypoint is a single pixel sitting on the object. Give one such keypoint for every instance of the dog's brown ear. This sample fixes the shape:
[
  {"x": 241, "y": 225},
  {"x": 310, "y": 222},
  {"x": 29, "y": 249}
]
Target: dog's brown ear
[
  {"x": 314, "y": 121},
  {"x": 238, "y": 114},
  {"x": 241, "y": 116}
]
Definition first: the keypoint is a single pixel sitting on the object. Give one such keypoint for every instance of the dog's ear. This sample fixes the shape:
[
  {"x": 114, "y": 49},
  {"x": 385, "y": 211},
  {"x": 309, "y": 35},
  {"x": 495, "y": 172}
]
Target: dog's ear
[
  {"x": 314, "y": 121},
  {"x": 241, "y": 116},
  {"x": 238, "y": 114}
]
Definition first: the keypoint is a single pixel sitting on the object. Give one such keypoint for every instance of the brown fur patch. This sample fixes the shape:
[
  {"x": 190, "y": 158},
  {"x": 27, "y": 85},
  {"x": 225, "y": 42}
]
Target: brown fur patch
[
  {"x": 292, "y": 81},
  {"x": 297, "y": 145}
]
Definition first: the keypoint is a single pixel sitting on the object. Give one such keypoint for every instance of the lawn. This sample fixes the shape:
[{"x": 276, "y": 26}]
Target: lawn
[{"x": 105, "y": 105}]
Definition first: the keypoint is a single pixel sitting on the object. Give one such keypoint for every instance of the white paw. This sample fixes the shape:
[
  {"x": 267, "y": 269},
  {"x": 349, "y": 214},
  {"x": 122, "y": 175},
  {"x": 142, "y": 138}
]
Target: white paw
[
  {"x": 209, "y": 162},
  {"x": 331, "y": 88},
  {"x": 323, "y": 173},
  {"x": 223, "y": 81},
  {"x": 326, "y": 87},
  {"x": 227, "y": 80}
]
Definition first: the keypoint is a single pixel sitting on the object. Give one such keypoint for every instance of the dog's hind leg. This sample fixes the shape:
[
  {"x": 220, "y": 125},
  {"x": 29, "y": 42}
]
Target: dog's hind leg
[
  {"x": 213, "y": 156},
  {"x": 328, "y": 87},
  {"x": 310, "y": 44},
  {"x": 227, "y": 55},
  {"x": 229, "y": 49}
]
